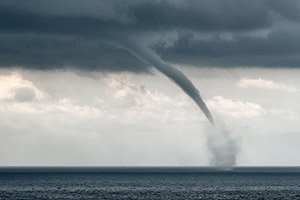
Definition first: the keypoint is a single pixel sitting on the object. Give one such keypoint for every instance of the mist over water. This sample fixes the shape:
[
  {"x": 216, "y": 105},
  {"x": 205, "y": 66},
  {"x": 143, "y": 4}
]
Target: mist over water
[{"x": 222, "y": 146}]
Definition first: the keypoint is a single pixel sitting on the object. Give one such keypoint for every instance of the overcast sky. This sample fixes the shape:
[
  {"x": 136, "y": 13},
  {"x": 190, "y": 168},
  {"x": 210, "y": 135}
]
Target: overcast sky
[{"x": 71, "y": 93}]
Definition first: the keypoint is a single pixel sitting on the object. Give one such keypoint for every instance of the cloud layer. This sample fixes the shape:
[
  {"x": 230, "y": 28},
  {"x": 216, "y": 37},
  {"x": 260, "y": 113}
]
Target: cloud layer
[
  {"x": 83, "y": 34},
  {"x": 264, "y": 84},
  {"x": 65, "y": 118}
]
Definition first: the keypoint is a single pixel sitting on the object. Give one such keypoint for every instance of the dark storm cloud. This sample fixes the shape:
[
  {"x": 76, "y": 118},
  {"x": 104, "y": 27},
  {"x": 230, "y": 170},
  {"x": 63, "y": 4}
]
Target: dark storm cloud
[
  {"x": 279, "y": 49},
  {"x": 288, "y": 10},
  {"x": 83, "y": 34},
  {"x": 147, "y": 15},
  {"x": 47, "y": 52}
]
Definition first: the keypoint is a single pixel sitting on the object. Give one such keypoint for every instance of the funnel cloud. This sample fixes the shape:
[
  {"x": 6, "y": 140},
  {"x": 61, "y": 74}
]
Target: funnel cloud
[
  {"x": 222, "y": 146},
  {"x": 146, "y": 55}
]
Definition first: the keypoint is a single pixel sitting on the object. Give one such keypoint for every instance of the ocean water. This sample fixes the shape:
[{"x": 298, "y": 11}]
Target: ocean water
[{"x": 149, "y": 183}]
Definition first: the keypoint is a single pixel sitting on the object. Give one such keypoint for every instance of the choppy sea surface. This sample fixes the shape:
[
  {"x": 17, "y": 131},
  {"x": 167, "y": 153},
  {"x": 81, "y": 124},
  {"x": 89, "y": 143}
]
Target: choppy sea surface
[{"x": 149, "y": 183}]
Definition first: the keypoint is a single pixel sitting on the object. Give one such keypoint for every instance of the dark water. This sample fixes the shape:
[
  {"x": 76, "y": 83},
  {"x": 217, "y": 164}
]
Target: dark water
[{"x": 149, "y": 183}]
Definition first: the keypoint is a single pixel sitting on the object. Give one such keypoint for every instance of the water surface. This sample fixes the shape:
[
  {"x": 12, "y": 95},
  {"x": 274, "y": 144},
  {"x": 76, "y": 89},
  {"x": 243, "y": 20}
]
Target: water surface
[{"x": 149, "y": 183}]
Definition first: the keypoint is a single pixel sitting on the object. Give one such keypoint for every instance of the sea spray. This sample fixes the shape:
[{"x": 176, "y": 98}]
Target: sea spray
[{"x": 222, "y": 146}]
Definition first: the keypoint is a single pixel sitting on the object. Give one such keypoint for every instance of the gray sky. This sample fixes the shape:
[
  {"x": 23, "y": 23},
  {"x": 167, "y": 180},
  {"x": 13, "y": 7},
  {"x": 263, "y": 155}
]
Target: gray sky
[
  {"x": 83, "y": 34},
  {"x": 71, "y": 94},
  {"x": 70, "y": 118}
]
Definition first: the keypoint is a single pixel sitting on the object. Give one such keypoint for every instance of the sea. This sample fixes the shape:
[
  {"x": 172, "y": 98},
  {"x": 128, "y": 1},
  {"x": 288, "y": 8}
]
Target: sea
[{"x": 149, "y": 183}]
